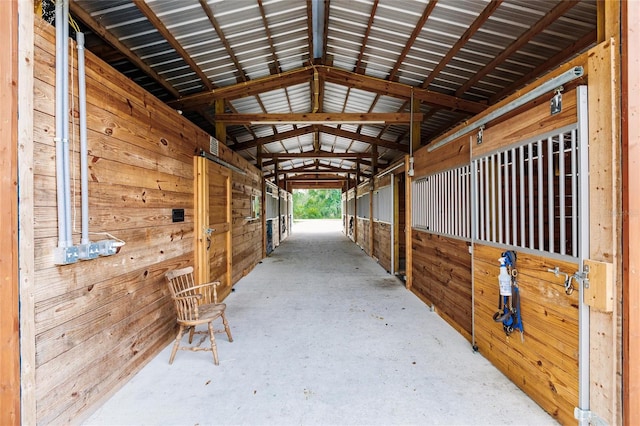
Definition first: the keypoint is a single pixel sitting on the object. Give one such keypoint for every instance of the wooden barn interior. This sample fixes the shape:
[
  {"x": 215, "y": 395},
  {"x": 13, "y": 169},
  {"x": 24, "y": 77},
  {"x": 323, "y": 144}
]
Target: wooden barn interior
[{"x": 456, "y": 131}]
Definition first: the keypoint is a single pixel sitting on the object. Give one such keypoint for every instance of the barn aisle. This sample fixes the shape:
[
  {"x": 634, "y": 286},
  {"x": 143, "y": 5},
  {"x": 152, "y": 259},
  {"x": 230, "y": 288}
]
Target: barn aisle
[{"x": 323, "y": 335}]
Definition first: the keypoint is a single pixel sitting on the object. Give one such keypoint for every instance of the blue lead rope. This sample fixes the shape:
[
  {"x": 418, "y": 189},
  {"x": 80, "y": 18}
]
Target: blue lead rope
[{"x": 509, "y": 313}]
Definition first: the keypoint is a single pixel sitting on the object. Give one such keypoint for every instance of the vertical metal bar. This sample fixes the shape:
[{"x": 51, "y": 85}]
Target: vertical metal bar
[
  {"x": 492, "y": 188},
  {"x": 507, "y": 201},
  {"x": 514, "y": 210},
  {"x": 474, "y": 207},
  {"x": 457, "y": 213},
  {"x": 531, "y": 205},
  {"x": 550, "y": 195},
  {"x": 498, "y": 188},
  {"x": 480, "y": 191},
  {"x": 522, "y": 177},
  {"x": 463, "y": 202},
  {"x": 583, "y": 309},
  {"x": 574, "y": 195},
  {"x": 561, "y": 195},
  {"x": 540, "y": 198}
]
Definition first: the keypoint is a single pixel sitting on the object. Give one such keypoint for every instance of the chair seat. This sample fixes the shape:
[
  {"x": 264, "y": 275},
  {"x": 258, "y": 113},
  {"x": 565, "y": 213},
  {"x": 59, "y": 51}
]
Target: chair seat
[{"x": 207, "y": 313}]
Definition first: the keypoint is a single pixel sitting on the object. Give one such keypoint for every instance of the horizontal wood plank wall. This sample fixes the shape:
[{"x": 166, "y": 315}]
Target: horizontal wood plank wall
[
  {"x": 545, "y": 365},
  {"x": 363, "y": 233},
  {"x": 442, "y": 277},
  {"x": 382, "y": 244},
  {"x": 98, "y": 322},
  {"x": 246, "y": 232}
]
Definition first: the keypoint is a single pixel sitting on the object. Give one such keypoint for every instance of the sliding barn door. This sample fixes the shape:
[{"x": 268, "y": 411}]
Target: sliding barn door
[{"x": 212, "y": 223}]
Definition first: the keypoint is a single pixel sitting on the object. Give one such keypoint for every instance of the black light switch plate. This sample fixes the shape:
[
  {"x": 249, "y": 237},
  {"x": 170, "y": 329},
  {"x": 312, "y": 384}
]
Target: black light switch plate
[{"x": 177, "y": 215}]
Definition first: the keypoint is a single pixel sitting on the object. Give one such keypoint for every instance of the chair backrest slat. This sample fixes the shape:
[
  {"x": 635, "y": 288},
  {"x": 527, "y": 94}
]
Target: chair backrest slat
[{"x": 181, "y": 282}]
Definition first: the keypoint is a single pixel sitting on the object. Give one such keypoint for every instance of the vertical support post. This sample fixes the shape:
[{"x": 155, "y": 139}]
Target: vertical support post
[
  {"x": 9, "y": 297},
  {"x": 415, "y": 126},
  {"x": 201, "y": 220},
  {"x": 26, "y": 248},
  {"x": 355, "y": 204},
  {"x": 409, "y": 223},
  {"x": 631, "y": 209},
  {"x": 221, "y": 128}
]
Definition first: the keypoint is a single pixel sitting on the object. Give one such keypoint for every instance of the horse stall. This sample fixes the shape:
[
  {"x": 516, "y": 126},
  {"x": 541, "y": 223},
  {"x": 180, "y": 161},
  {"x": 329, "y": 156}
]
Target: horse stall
[{"x": 505, "y": 244}]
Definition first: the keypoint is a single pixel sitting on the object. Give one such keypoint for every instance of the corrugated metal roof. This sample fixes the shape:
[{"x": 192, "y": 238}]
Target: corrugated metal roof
[{"x": 398, "y": 40}]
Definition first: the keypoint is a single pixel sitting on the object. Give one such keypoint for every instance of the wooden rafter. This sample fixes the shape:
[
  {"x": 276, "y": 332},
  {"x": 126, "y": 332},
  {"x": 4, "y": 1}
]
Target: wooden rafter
[
  {"x": 466, "y": 36},
  {"x": 325, "y": 33},
  {"x": 310, "y": 30},
  {"x": 319, "y": 118},
  {"x": 250, "y": 88},
  {"x": 358, "y": 68},
  {"x": 164, "y": 32},
  {"x": 101, "y": 31},
  {"x": 575, "y": 47},
  {"x": 399, "y": 90},
  {"x": 412, "y": 39},
  {"x": 523, "y": 39},
  {"x": 276, "y": 63},
  {"x": 223, "y": 39},
  {"x": 364, "y": 138}
]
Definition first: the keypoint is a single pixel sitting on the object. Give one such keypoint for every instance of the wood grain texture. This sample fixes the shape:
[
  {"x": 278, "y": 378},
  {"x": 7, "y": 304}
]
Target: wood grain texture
[
  {"x": 442, "y": 275},
  {"x": 545, "y": 365},
  {"x": 98, "y": 322},
  {"x": 9, "y": 297}
]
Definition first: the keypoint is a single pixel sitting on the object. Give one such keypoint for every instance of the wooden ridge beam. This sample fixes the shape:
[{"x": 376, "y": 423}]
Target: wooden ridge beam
[
  {"x": 320, "y": 118},
  {"x": 248, "y": 88},
  {"x": 102, "y": 32},
  {"x": 364, "y": 138},
  {"x": 312, "y": 154}
]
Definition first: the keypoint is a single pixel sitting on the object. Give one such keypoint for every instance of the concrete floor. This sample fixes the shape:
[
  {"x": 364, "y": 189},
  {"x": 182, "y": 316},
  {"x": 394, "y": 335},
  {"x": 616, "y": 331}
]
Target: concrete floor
[{"x": 324, "y": 336}]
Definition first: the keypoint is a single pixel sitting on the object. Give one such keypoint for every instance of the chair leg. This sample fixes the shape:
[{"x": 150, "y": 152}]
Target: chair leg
[
  {"x": 176, "y": 345},
  {"x": 226, "y": 327},
  {"x": 192, "y": 330},
  {"x": 214, "y": 348}
]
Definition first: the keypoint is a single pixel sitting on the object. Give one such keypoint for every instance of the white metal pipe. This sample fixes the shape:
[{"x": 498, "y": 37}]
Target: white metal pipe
[
  {"x": 491, "y": 189},
  {"x": 84, "y": 167},
  {"x": 61, "y": 194},
  {"x": 583, "y": 309},
  {"x": 531, "y": 205},
  {"x": 545, "y": 87},
  {"x": 65, "y": 121},
  {"x": 507, "y": 200},
  {"x": 574, "y": 195},
  {"x": 561, "y": 196},
  {"x": 514, "y": 199},
  {"x": 540, "y": 198},
  {"x": 497, "y": 187},
  {"x": 393, "y": 221},
  {"x": 523, "y": 231},
  {"x": 550, "y": 195}
]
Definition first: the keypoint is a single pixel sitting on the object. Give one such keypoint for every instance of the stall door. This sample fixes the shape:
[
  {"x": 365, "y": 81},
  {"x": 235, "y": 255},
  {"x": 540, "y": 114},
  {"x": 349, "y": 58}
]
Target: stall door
[{"x": 213, "y": 223}]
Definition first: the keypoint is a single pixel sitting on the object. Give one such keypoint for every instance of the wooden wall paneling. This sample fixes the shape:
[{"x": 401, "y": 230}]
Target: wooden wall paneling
[
  {"x": 142, "y": 165},
  {"x": 545, "y": 365},
  {"x": 605, "y": 202},
  {"x": 382, "y": 238},
  {"x": 442, "y": 277},
  {"x": 453, "y": 154},
  {"x": 631, "y": 209},
  {"x": 9, "y": 295}
]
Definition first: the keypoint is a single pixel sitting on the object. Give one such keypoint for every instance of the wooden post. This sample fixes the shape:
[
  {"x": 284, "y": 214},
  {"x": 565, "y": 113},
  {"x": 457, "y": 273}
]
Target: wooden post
[
  {"x": 26, "y": 208},
  {"x": 201, "y": 219},
  {"x": 9, "y": 331},
  {"x": 371, "y": 227},
  {"x": 263, "y": 202},
  {"x": 631, "y": 212},
  {"x": 605, "y": 204},
  {"x": 221, "y": 128},
  {"x": 407, "y": 218},
  {"x": 415, "y": 129},
  {"x": 355, "y": 204}
]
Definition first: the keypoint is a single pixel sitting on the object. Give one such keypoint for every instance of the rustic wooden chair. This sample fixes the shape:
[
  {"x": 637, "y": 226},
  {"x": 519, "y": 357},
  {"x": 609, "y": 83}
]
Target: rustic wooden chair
[{"x": 195, "y": 305}]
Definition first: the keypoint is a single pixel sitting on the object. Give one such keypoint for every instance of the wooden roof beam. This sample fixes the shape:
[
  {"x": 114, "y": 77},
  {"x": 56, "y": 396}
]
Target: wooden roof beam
[
  {"x": 249, "y": 88},
  {"x": 399, "y": 90},
  {"x": 102, "y": 32},
  {"x": 319, "y": 118},
  {"x": 164, "y": 32},
  {"x": 523, "y": 39},
  {"x": 466, "y": 36},
  {"x": 311, "y": 154},
  {"x": 358, "y": 68}
]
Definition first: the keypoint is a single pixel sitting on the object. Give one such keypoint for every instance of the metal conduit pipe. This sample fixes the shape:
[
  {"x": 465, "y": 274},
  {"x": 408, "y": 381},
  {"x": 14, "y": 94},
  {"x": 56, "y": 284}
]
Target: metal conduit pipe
[
  {"x": 84, "y": 172},
  {"x": 65, "y": 121},
  {"x": 62, "y": 223}
]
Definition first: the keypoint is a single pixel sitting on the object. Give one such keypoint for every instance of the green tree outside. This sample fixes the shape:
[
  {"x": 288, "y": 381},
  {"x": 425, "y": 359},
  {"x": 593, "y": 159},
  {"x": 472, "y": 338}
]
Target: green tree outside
[{"x": 317, "y": 204}]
